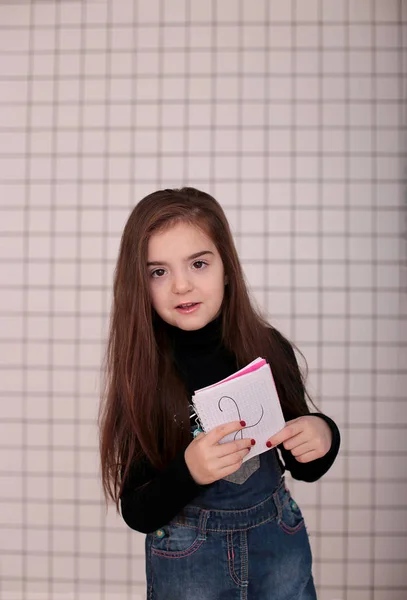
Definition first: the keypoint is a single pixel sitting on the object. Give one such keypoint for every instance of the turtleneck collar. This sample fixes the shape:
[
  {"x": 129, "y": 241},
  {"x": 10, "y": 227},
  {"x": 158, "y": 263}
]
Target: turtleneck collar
[{"x": 208, "y": 336}]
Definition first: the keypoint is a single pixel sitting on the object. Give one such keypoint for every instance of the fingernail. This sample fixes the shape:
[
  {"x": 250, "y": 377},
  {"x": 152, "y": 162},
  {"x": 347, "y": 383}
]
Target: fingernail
[
  {"x": 243, "y": 423},
  {"x": 252, "y": 442},
  {"x": 269, "y": 444}
]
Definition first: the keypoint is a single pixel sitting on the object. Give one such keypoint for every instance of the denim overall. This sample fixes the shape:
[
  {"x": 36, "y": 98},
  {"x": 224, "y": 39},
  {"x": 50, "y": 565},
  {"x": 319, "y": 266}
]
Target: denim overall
[{"x": 242, "y": 538}]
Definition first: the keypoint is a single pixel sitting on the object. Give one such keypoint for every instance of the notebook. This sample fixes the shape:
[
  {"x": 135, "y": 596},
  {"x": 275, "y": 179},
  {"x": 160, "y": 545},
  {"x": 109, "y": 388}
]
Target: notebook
[{"x": 249, "y": 395}]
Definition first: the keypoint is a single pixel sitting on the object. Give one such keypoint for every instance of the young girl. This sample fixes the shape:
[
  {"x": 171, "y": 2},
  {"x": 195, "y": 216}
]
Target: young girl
[{"x": 182, "y": 320}]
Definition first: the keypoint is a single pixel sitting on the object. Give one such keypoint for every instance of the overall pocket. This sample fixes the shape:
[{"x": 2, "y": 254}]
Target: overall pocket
[
  {"x": 176, "y": 541},
  {"x": 291, "y": 519}
]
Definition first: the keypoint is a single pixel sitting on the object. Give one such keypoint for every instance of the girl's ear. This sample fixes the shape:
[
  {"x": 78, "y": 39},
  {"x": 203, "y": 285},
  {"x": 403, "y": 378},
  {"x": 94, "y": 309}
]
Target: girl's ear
[{"x": 226, "y": 279}]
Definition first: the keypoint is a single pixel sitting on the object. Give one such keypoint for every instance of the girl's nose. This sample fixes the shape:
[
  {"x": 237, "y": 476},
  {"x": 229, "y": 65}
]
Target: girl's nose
[{"x": 181, "y": 284}]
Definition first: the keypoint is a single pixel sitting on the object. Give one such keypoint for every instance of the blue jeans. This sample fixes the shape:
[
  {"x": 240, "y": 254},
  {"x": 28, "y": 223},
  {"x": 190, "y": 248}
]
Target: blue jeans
[{"x": 259, "y": 553}]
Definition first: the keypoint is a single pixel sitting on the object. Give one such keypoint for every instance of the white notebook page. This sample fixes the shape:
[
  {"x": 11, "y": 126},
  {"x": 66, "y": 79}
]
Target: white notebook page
[{"x": 252, "y": 398}]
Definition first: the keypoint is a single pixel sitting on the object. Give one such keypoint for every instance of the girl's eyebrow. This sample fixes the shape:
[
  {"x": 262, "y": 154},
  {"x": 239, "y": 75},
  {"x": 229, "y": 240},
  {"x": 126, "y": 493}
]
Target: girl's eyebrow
[{"x": 156, "y": 263}]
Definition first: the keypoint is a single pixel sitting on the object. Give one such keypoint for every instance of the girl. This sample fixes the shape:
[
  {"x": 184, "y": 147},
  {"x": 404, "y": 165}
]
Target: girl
[{"x": 182, "y": 320}]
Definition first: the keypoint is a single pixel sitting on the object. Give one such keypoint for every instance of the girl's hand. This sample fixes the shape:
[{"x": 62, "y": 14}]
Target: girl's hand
[
  {"x": 208, "y": 461},
  {"x": 307, "y": 438}
]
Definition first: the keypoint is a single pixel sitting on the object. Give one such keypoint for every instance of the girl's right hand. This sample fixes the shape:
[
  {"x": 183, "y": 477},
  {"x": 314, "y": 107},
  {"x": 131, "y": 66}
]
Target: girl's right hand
[{"x": 208, "y": 461}]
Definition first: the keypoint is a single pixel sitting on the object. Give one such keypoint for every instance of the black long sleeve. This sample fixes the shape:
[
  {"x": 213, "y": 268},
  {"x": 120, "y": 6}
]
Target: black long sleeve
[
  {"x": 151, "y": 498},
  {"x": 315, "y": 469}
]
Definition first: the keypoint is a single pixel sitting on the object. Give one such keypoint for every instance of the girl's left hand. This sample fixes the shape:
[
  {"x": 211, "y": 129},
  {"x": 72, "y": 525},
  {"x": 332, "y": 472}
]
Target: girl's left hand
[{"x": 307, "y": 438}]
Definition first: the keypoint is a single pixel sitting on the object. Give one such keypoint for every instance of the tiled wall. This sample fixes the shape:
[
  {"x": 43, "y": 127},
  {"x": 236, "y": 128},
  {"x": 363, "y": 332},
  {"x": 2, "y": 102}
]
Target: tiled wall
[{"x": 291, "y": 114}]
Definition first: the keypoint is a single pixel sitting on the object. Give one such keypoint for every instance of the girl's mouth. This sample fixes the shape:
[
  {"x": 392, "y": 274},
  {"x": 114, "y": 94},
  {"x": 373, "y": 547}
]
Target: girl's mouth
[{"x": 188, "y": 307}]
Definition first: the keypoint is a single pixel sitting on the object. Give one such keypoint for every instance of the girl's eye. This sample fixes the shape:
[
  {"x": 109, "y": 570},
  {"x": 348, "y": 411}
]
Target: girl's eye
[
  {"x": 157, "y": 273},
  {"x": 202, "y": 264}
]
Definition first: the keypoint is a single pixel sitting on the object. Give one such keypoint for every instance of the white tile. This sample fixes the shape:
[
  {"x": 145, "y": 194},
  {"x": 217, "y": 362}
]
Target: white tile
[
  {"x": 389, "y": 249},
  {"x": 361, "y": 303},
  {"x": 279, "y": 276},
  {"x": 63, "y": 382},
  {"x": 306, "y": 275},
  {"x": 387, "y": 62},
  {"x": 279, "y": 248},
  {"x": 251, "y": 166},
  {"x": 333, "y": 36},
  {"x": 332, "y": 520},
  {"x": 63, "y": 488},
  {"x": 361, "y": 469},
  {"x": 390, "y": 412},
  {"x": 37, "y": 566},
  {"x": 361, "y": 11},
  {"x": 280, "y": 302},
  {"x": 251, "y": 247},
  {"x": 384, "y": 594},
  {"x": 199, "y": 64},
  {"x": 360, "y": 412},
  {"x": 390, "y": 574},
  {"x": 359, "y": 520},
  {"x": 333, "y": 357},
  {"x": 332, "y": 384},
  {"x": 331, "y": 574},
  {"x": 307, "y": 302},
  {"x": 359, "y": 440},
  {"x": 391, "y": 495},
  {"x": 306, "y": 221},
  {"x": 63, "y": 513},
  {"x": 334, "y": 302},
  {"x": 331, "y": 547},
  {"x": 360, "y": 115},
  {"x": 11, "y": 486},
  {"x": 390, "y": 548},
  {"x": 360, "y": 275},
  {"x": 251, "y": 115},
  {"x": 90, "y": 568},
  {"x": 38, "y": 354},
  {"x": 387, "y": 115},
  {"x": 280, "y": 88},
  {"x": 333, "y": 62},
  {"x": 388, "y": 330},
  {"x": 387, "y": 35},
  {"x": 254, "y": 12},
  {"x": 332, "y": 493},
  {"x": 388, "y": 11},
  {"x": 250, "y": 62},
  {"x": 361, "y": 330},
  {"x": 334, "y": 276},
  {"x": 391, "y": 385},
  {"x": 305, "y": 248},
  {"x": 359, "y": 573},
  {"x": 333, "y": 331}
]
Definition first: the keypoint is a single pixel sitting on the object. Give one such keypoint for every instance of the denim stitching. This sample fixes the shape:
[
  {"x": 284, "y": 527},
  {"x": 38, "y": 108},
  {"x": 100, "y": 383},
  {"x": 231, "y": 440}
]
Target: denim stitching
[
  {"x": 244, "y": 562},
  {"x": 290, "y": 531},
  {"x": 179, "y": 554},
  {"x": 231, "y": 558},
  {"x": 242, "y": 511}
]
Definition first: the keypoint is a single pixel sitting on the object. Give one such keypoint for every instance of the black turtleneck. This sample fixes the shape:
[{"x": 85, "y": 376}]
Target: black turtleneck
[{"x": 202, "y": 360}]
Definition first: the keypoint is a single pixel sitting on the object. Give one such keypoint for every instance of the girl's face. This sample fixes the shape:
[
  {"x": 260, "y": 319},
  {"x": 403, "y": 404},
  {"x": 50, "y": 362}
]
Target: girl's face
[{"x": 185, "y": 267}]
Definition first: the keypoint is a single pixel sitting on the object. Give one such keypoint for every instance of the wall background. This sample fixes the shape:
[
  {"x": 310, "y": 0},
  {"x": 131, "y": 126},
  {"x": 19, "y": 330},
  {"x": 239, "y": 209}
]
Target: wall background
[{"x": 293, "y": 115}]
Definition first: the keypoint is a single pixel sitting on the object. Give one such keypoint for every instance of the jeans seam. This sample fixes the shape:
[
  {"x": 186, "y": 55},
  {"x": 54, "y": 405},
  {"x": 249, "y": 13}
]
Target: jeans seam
[
  {"x": 244, "y": 563},
  {"x": 181, "y": 553},
  {"x": 231, "y": 559}
]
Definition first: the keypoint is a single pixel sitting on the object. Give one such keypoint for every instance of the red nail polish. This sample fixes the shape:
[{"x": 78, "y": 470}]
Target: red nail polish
[
  {"x": 269, "y": 444},
  {"x": 252, "y": 442},
  {"x": 243, "y": 423}
]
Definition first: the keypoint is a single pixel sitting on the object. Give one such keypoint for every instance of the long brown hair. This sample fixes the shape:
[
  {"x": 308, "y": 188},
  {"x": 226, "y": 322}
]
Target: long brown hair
[{"x": 143, "y": 391}]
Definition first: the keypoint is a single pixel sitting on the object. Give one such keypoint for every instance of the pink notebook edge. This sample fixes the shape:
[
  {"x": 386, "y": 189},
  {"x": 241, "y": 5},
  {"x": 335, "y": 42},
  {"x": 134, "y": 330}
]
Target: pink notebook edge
[{"x": 244, "y": 371}]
